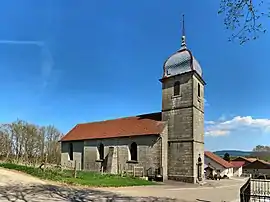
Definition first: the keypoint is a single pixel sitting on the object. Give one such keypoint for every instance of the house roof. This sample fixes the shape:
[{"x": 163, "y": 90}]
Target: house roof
[
  {"x": 146, "y": 124},
  {"x": 264, "y": 162},
  {"x": 250, "y": 160},
  {"x": 237, "y": 164},
  {"x": 218, "y": 159},
  {"x": 258, "y": 164}
]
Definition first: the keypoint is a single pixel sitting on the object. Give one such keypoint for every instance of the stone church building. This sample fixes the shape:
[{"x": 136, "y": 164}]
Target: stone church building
[{"x": 169, "y": 142}]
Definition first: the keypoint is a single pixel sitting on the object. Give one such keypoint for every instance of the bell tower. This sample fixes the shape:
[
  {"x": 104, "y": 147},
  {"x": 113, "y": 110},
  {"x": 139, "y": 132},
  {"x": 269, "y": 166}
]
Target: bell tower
[{"x": 183, "y": 110}]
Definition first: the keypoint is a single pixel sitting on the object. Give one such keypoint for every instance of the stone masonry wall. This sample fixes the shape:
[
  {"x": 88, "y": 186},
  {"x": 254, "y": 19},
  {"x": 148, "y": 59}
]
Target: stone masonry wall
[
  {"x": 185, "y": 117},
  {"x": 77, "y": 155},
  {"x": 149, "y": 153},
  {"x": 198, "y": 125},
  {"x": 117, "y": 153},
  {"x": 169, "y": 101},
  {"x": 180, "y": 164}
]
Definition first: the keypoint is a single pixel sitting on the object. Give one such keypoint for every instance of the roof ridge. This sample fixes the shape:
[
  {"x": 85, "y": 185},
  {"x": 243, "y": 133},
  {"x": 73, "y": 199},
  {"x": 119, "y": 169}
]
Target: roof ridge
[{"x": 120, "y": 118}]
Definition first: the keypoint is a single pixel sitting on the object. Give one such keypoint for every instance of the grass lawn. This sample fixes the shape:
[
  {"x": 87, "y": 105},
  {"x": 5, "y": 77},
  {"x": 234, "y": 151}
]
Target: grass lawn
[{"x": 83, "y": 178}]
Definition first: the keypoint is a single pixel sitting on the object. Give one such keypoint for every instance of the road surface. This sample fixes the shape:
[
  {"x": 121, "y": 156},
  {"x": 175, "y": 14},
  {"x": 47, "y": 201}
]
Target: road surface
[
  {"x": 16, "y": 186},
  {"x": 19, "y": 187}
]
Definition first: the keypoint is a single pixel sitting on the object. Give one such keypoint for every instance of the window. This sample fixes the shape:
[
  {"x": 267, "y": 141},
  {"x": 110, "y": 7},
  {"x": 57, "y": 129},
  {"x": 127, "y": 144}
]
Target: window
[
  {"x": 199, "y": 168},
  {"x": 133, "y": 151},
  {"x": 199, "y": 90},
  {"x": 70, "y": 151},
  {"x": 176, "y": 88},
  {"x": 101, "y": 151}
]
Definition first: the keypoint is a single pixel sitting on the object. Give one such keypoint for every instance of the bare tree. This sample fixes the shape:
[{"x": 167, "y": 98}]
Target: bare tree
[
  {"x": 261, "y": 152},
  {"x": 244, "y": 18},
  {"x": 24, "y": 142}
]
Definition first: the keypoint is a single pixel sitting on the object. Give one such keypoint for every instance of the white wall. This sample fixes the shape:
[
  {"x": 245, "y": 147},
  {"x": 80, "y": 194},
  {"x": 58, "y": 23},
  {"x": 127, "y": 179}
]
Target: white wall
[
  {"x": 237, "y": 171},
  {"x": 223, "y": 171}
]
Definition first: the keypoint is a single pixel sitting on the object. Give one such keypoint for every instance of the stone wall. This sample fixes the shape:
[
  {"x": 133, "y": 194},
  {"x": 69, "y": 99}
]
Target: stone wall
[
  {"x": 180, "y": 161},
  {"x": 198, "y": 125},
  {"x": 149, "y": 153},
  {"x": 77, "y": 154},
  {"x": 169, "y": 101},
  {"x": 185, "y": 116},
  {"x": 116, "y": 153},
  {"x": 198, "y": 149}
]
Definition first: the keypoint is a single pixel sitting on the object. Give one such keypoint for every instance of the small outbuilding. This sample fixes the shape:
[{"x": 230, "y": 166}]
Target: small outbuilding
[{"x": 217, "y": 164}]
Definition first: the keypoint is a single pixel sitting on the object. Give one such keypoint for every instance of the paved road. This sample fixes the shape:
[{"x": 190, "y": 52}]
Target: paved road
[
  {"x": 213, "y": 191},
  {"x": 15, "y": 186}
]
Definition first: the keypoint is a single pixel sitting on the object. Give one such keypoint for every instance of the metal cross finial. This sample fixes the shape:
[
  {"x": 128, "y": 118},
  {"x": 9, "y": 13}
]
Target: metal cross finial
[
  {"x": 183, "y": 26},
  {"x": 183, "y": 44}
]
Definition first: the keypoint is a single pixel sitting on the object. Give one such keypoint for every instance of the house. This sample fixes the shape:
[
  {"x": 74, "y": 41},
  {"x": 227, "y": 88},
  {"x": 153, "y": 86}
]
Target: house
[
  {"x": 238, "y": 167},
  {"x": 244, "y": 159},
  {"x": 169, "y": 142},
  {"x": 256, "y": 168},
  {"x": 216, "y": 164}
]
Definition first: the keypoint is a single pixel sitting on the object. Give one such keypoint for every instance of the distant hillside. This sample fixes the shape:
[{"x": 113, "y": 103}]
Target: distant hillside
[{"x": 233, "y": 153}]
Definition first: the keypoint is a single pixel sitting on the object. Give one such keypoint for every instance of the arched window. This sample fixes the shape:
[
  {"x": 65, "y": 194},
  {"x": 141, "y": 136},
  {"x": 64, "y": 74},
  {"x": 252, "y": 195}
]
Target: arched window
[
  {"x": 70, "y": 152},
  {"x": 133, "y": 151},
  {"x": 176, "y": 89},
  {"x": 199, "y": 90},
  {"x": 101, "y": 151},
  {"x": 199, "y": 159},
  {"x": 200, "y": 168}
]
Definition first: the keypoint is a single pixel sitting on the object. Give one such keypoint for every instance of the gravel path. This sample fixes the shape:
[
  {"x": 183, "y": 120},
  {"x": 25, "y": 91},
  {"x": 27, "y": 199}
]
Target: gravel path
[{"x": 19, "y": 187}]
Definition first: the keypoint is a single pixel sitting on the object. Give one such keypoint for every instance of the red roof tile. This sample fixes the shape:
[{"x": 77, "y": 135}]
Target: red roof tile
[
  {"x": 237, "y": 164},
  {"x": 251, "y": 159},
  {"x": 218, "y": 159},
  {"x": 248, "y": 160},
  {"x": 147, "y": 124},
  {"x": 263, "y": 161}
]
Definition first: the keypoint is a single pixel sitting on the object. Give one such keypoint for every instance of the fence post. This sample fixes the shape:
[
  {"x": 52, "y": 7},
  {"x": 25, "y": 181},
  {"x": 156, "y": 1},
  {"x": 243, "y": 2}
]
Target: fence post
[
  {"x": 75, "y": 170},
  {"x": 102, "y": 169}
]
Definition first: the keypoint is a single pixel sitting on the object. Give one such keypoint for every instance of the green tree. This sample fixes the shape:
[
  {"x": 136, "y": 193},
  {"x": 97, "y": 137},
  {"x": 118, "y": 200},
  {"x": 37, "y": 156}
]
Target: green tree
[{"x": 227, "y": 157}]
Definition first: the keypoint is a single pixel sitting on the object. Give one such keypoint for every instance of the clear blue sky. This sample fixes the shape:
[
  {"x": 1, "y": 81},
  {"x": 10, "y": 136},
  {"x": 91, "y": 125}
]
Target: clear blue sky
[{"x": 65, "y": 62}]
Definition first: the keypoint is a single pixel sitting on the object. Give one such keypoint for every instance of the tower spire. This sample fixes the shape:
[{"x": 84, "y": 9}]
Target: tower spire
[{"x": 183, "y": 44}]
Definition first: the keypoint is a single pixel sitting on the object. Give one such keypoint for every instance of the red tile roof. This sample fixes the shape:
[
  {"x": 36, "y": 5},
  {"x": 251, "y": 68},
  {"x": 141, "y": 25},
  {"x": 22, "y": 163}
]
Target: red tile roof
[
  {"x": 218, "y": 159},
  {"x": 147, "y": 124},
  {"x": 263, "y": 161},
  {"x": 252, "y": 159},
  {"x": 247, "y": 160},
  {"x": 237, "y": 164},
  {"x": 255, "y": 164}
]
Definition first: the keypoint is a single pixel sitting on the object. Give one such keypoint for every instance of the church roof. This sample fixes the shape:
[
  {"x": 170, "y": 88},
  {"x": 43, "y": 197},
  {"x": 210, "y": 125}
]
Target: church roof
[
  {"x": 146, "y": 124},
  {"x": 182, "y": 61}
]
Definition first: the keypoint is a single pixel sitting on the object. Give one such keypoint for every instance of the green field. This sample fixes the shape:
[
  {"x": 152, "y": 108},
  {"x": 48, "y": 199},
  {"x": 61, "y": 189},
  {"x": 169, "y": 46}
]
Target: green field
[{"x": 93, "y": 179}]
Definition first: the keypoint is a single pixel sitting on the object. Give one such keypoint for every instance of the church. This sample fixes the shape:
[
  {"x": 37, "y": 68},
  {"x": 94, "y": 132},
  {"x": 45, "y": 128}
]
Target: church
[{"x": 168, "y": 143}]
